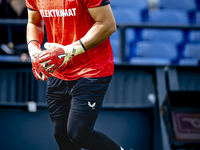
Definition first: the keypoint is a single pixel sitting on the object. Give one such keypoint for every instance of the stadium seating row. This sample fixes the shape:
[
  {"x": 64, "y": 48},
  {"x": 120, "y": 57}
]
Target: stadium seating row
[
  {"x": 187, "y": 5},
  {"x": 168, "y": 11},
  {"x": 156, "y": 16},
  {"x": 158, "y": 46}
]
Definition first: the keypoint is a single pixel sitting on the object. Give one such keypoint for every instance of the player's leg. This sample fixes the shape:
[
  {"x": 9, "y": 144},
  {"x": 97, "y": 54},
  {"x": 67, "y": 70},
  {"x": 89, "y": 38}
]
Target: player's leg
[
  {"x": 59, "y": 104},
  {"x": 86, "y": 103}
]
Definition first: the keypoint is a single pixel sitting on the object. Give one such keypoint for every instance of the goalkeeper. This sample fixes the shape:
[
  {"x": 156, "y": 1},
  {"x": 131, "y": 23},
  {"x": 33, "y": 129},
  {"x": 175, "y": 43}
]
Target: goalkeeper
[{"x": 78, "y": 63}]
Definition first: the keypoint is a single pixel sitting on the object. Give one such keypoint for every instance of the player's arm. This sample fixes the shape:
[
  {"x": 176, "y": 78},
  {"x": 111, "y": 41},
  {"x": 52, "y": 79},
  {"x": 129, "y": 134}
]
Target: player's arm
[
  {"x": 104, "y": 26},
  {"x": 35, "y": 34},
  {"x": 35, "y": 26}
]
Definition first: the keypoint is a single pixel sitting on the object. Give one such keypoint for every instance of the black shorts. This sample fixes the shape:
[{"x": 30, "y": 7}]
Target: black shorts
[{"x": 81, "y": 97}]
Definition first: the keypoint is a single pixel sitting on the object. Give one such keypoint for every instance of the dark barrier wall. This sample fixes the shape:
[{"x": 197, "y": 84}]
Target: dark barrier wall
[
  {"x": 130, "y": 114},
  {"x": 130, "y": 85},
  {"x": 127, "y": 115},
  {"x": 131, "y": 128},
  {"x": 22, "y": 130}
]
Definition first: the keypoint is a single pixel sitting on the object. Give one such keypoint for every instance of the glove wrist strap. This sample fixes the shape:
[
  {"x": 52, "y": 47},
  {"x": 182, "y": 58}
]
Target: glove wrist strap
[
  {"x": 32, "y": 41},
  {"x": 79, "y": 50},
  {"x": 82, "y": 44},
  {"x": 33, "y": 47}
]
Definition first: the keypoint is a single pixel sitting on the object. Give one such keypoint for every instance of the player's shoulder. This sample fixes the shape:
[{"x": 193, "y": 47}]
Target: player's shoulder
[
  {"x": 105, "y": 2},
  {"x": 31, "y": 4},
  {"x": 95, "y": 3}
]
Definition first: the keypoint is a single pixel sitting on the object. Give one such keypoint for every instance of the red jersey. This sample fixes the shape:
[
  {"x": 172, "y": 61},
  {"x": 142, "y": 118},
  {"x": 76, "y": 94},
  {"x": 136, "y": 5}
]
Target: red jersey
[{"x": 67, "y": 21}]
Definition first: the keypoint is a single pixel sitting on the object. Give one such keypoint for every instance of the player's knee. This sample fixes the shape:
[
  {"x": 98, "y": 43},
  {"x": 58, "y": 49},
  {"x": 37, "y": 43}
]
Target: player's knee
[
  {"x": 79, "y": 137},
  {"x": 75, "y": 136},
  {"x": 60, "y": 129},
  {"x": 61, "y": 136}
]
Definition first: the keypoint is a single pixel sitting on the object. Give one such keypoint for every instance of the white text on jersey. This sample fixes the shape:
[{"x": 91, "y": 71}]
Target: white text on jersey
[{"x": 58, "y": 12}]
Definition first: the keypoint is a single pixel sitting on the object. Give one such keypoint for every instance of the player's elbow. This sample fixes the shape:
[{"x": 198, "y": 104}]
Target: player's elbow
[{"x": 112, "y": 28}]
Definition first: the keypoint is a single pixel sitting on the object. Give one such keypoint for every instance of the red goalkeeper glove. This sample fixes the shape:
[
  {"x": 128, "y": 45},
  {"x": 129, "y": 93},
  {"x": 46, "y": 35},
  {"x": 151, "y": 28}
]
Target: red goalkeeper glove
[
  {"x": 57, "y": 55},
  {"x": 39, "y": 72}
]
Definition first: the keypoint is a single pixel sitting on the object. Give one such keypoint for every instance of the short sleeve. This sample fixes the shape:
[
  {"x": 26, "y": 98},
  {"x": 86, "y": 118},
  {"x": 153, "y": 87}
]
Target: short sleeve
[
  {"x": 96, "y": 3},
  {"x": 31, "y": 4}
]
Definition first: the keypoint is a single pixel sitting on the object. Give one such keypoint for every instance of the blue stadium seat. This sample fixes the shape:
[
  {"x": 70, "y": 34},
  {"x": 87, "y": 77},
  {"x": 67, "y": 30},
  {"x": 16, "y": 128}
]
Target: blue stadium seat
[
  {"x": 115, "y": 41},
  {"x": 192, "y": 51},
  {"x": 10, "y": 58},
  {"x": 187, "y": 5},
  {"x": 131, "y": 38},
  {"x": 194, "y": 36},
  {"x": 166, "y": 16},
  {"x": 127, "y": 15},
  {"x": 197, "y": 17},
  {"x": 150, "y": 53},
  {"x": 115, "y": 47},
  {"x": 132, "y": 4},
  {"x": 191, "y": 55},
  {"x": 149, "y": 61},
  {"x": 163, "y": 35}
]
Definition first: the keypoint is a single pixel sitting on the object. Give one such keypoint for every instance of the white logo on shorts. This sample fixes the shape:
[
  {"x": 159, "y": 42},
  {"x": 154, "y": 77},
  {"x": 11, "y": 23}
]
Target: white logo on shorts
[{"x": 91, "y": 105}]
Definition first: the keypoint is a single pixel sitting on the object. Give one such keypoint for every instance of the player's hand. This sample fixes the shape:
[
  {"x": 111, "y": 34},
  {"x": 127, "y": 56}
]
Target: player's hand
[
  {"x": 49, "y": 46},
  {"x": 57, "y": 55},
  {"x": 39, "y": 75},
  {"x": 39, "y": 72}
]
